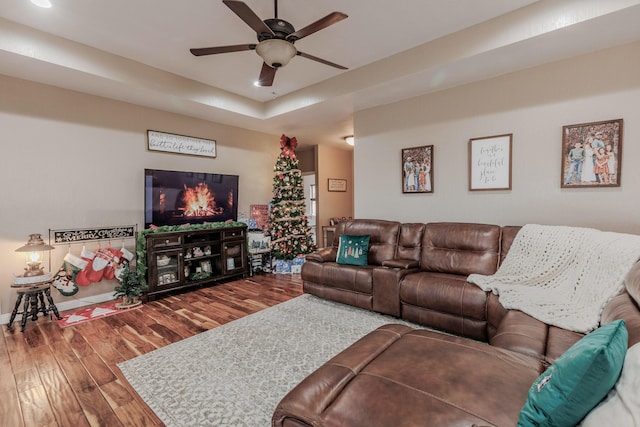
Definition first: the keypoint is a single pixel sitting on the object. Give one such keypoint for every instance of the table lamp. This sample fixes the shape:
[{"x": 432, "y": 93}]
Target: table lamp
[{"x": 34, "y": 272}]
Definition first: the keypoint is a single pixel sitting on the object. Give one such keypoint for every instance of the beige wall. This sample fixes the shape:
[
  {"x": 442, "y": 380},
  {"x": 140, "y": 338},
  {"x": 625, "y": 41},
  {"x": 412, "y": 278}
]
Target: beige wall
[
  {"x": 533, "y": 105},
  {"x": 76, "y": 161},
  {"x": 334, "y": 163}
]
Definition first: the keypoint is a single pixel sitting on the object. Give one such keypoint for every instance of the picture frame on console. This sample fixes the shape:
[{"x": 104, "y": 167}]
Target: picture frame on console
[
  {"x": 591, "y": 154},
  {"x": 205, "y": 266},
  {"x": 417, "y": 169},
  {"x": 490, "y": 162}
]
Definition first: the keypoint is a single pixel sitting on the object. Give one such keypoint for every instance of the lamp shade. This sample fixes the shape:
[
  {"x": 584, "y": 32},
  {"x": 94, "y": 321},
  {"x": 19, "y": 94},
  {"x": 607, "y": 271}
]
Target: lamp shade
[
  {"x": 34, "y": 272},
  {"x": 276, "y": 53},
  {"x": 35, "y": 244}
]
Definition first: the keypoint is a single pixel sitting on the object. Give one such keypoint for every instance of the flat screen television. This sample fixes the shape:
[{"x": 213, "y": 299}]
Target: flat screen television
[{"x": 174, "y": 197}]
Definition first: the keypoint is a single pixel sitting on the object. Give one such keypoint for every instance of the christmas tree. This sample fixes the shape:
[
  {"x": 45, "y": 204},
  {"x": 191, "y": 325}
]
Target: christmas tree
[{"x": 290, "y": 233}]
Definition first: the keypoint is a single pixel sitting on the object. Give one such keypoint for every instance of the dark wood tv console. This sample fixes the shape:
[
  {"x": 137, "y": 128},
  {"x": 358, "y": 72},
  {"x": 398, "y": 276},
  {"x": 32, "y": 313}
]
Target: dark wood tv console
[{"x": 184, "y": 259}]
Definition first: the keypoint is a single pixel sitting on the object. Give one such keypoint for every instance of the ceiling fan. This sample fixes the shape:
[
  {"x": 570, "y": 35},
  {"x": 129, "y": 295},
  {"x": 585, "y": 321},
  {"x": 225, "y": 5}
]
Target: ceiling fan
[{"x": 275, "y": 39}]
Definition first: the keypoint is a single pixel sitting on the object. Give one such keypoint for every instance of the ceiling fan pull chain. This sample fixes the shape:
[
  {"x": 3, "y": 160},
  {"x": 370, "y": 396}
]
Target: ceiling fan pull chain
[{"x": 275, "y": 9}]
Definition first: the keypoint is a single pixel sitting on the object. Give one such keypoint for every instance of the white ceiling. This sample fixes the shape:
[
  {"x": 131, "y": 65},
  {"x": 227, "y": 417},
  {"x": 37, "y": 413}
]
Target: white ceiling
[{"x": 138, "y": 51}]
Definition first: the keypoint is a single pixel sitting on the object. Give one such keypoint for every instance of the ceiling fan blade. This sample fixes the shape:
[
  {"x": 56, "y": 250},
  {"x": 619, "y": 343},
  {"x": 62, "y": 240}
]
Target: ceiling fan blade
[
  {"x": 322, "y": 61},
  {"x": 221, "y": 49},
  {"x": 321, "y": 23},
  {"x": 245, "y": 13},
  {"x": 267, "y": 75}
]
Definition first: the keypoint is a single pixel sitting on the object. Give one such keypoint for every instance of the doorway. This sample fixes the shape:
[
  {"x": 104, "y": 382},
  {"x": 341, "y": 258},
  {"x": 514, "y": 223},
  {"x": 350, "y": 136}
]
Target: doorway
[{"x": 310, "y": 202}]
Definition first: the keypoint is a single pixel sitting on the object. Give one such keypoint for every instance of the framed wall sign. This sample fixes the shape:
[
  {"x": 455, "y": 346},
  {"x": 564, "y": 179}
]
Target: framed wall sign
[
  {"x": 180, "y": 144},
  {"x": 591, "y": 154},
  {"x": 417, "y": 169},
  {"x": 337, "y": 184},
  {"x": 490, "y": 162}
]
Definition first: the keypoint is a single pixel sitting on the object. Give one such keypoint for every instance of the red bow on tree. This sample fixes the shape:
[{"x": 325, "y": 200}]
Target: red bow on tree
[{"x": 288, "y": 145}]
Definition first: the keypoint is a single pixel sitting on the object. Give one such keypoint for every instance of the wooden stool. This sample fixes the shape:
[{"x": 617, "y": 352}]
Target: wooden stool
[{"x": 34, "y": 303}]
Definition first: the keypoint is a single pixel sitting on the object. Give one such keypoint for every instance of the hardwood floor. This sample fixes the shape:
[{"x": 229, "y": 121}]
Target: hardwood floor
[{"x": 68, "y": 377}]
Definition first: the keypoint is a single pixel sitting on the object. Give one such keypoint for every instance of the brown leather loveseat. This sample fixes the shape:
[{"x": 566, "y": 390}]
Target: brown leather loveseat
[{"x": 478, "y": 372}]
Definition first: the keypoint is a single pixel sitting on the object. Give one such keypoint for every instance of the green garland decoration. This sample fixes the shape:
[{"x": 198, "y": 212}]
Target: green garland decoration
[{"x": 141, "y": 245}]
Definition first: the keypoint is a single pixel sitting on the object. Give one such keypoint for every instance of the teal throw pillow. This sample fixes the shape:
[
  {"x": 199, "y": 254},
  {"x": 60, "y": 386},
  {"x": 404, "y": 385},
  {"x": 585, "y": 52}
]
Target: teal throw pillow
[
  {"x": 353, "y": 250},
  {"x": 578, "y": 380}
]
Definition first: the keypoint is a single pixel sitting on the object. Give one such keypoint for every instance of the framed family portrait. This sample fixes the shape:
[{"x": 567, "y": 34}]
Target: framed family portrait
[
  {"x": 417, "y": 169},
  {"x": 490, "y": 162},
  {"x": 591, "y": 154}
]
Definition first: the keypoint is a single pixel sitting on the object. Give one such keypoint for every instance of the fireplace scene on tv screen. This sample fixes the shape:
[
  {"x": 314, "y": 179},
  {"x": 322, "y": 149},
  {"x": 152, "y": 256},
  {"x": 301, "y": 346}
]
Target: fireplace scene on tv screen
[{"x": 174, "y": 197}]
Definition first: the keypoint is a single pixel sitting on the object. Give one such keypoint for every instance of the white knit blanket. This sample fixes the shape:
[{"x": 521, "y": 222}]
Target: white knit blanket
[{"x": 563, "y": 276}]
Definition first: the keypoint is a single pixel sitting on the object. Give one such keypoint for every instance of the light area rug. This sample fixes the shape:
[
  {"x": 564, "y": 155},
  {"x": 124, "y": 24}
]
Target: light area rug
[{"x": 236, "y": 374}]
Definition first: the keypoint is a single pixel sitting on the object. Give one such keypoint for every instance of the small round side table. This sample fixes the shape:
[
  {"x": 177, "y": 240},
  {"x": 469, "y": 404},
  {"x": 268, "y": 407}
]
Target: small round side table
[{"x": 34, "y": 302}]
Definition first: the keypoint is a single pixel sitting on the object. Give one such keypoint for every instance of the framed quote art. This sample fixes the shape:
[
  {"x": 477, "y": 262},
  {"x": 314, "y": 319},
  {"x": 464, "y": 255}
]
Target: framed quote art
[
  {"x": 490, "y": 162},
  {"x": 339, "y": 185},
  {"x": 417, "y": 169},
  {"x": 591, "y": 154},
  {"x": 180, "y": 144}
]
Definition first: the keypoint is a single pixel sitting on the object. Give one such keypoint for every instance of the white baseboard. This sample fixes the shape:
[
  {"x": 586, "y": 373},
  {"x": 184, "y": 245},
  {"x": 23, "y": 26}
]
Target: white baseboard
[{"x": 66, "y": 305}]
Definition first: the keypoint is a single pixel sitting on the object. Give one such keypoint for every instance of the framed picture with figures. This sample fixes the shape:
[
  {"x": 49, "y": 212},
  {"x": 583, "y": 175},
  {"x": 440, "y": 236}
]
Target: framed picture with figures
[
  {"x": 417, "y": 169},
  {"x": 591, "y": 154}
]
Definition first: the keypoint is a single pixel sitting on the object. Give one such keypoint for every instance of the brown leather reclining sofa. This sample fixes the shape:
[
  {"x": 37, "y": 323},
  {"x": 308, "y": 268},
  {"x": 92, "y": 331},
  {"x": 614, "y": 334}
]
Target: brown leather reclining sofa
[{"x": 478, "y": 372}]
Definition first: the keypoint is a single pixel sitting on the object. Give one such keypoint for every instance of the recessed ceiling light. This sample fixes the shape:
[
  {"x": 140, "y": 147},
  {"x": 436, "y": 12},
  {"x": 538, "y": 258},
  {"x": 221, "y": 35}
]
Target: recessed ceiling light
[{"x": 42, "y": 3}]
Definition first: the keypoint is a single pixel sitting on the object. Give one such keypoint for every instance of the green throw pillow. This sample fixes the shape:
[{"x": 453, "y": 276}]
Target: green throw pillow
[
  {"x": 578, "y": 380},
  {"x": 353, "y": 250}
]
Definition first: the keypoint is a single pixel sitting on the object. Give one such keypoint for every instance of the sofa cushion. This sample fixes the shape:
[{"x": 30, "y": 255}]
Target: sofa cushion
[
  {"x": 509, "y": 233},
  {"x": 348, "y": 277},
  {"x": 632, "y": 283},
  {"x": 446, "y": 302},
  {"x": 622, "y": 406},
  {"x": 578, "y": 380},
  {"x": 410, "y": 242},
  {"x": 522, "y": 333},
  {"x": 348, "y": 284},
  {"x": 353, "y": 250},
  {"x": 460, "y": 248},
  {"x": 623, "y": 307},
  {"x": 559, "y": 341},
  {"x": 400, "y": 376},
  {"x": 384, "y": 237}
]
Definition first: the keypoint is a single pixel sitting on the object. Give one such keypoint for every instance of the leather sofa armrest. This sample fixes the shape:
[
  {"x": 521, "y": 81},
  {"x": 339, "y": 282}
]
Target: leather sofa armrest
[
  {"x": 403, "y": 264},
  {"x": 322, "y": 255},
  {"x": 624, "y": 307},
  {"x": 386, "y": 289},
  {"x": 632, "y": 282},
  {"x": 521, "y": 333}
]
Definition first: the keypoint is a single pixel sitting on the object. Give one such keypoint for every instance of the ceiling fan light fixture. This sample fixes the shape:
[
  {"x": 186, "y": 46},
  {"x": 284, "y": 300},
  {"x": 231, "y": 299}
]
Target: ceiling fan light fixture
[
  {"x": 276, "y": 53},
  {"x": 46, "y": 4}
]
